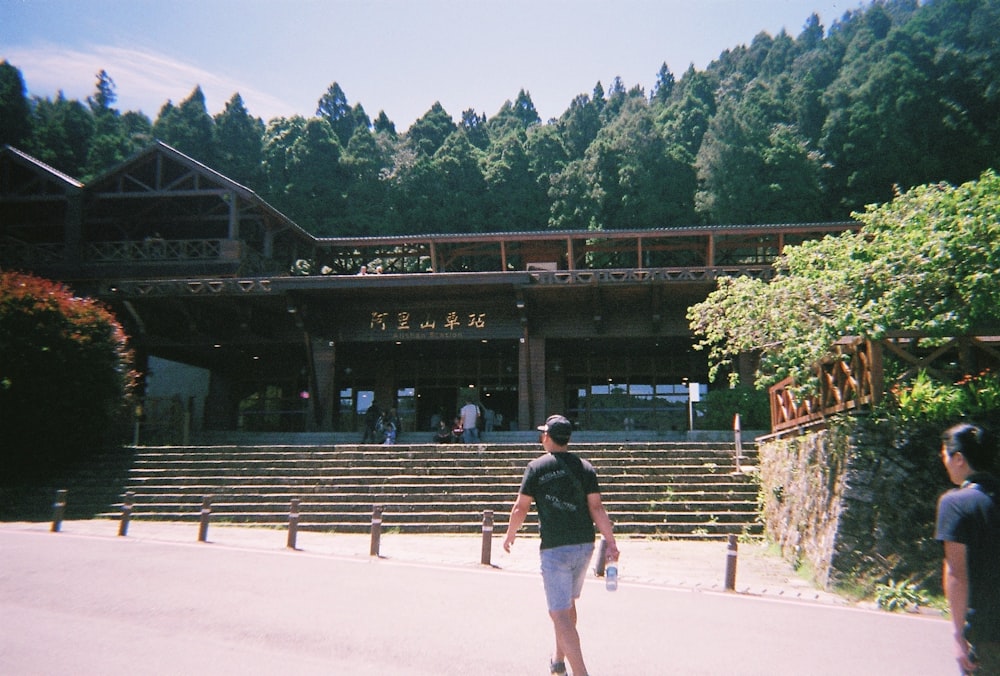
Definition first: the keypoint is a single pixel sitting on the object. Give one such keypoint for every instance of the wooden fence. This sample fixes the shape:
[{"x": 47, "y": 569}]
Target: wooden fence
[{"x": 854, "y": 375}]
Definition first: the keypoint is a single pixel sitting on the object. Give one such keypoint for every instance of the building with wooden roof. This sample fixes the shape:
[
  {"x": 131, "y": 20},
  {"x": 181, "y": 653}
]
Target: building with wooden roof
[{"x": 201, "y": 271}]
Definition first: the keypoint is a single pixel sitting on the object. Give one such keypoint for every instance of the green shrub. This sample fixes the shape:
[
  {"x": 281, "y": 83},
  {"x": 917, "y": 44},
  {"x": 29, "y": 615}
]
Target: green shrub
[
  {"x": 899, "y": 596},
  {"x": 926, "y": 399},
  {"x": 719, "y": 407}
]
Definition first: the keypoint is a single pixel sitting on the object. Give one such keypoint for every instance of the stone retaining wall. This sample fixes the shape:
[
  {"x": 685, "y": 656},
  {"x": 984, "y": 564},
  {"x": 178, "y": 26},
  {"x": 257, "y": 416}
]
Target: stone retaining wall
[{"x": 854, "y": 503}]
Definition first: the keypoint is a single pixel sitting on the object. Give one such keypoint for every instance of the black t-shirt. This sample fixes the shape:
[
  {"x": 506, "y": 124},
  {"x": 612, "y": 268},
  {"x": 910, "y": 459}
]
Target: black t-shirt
[
  {"x": 559, "y": 483},
  {"x": 970, "y": 516}
]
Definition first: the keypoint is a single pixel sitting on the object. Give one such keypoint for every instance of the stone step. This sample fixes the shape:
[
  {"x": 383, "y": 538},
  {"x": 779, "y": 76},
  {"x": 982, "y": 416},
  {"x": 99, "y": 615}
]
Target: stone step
[
  {"x": 436, "y": 451},
  {"x": 398, "y": 515},
  {"x": 668, "y": 489}
]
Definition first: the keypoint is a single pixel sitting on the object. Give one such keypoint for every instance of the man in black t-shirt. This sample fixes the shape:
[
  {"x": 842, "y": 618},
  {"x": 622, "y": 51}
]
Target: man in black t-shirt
[
  {"x": 567, "y": 496},
  {"x": 968, "y": 523}
]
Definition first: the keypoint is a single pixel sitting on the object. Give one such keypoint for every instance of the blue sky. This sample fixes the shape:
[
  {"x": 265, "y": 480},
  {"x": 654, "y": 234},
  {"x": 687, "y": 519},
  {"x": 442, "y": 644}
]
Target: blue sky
[{"x": 400, "y": 56}]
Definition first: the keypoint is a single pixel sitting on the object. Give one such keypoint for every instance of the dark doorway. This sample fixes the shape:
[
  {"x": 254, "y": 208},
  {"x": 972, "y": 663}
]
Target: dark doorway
[
  {"x": 503, "y": 402},
  {"x": 434, "y": 401}
]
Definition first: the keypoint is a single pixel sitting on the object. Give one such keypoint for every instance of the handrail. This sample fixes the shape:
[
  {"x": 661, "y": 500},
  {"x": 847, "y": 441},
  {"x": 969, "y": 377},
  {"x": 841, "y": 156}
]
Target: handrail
[
  {"x": 154, "y": 249},
  {"x": 848, "y": 379}
]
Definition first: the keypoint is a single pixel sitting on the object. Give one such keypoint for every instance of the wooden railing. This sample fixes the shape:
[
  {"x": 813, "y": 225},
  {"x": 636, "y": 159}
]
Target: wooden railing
[
  {"x": 850, "y": 378},
  {"x": 854, "y": 375},
  {"x": 564, "y": 277},
  {"x": 18, "y": 253},
  {"x": 696, "y": 247},
  {"x": 154, "y": 249}
]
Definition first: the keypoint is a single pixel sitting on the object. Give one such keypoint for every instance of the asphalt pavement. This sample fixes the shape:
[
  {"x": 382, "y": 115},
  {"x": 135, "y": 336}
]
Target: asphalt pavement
[
  {"x": 159, "y": 601},
  {"x": 695, "y": 565}
]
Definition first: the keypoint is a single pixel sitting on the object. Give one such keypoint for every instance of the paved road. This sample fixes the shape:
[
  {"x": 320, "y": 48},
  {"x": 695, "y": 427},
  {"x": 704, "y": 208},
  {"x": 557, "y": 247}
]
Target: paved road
[{"x": 81, "y": 604}]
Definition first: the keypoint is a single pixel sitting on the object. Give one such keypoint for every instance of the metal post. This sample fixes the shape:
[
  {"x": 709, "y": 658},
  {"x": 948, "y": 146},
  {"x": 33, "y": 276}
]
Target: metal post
[
  {"x": 126, "y": 514},
  {"x": 376, "y": 529},
  {"x": 487, "y": 558},
  {"x": 293, "y": 523},
  {"x": 738, "y": 433},
  {"x": 58, "y": 510},
  {"x": 206, "y": 514},
  {"x": 731, "y": 564},
  {"x": 602, "y": 552}
]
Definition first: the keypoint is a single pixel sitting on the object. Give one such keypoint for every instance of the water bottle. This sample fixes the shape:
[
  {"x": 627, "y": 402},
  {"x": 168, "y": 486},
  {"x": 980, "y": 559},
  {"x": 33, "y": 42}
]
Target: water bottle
[{"x": 611, "y": 576}]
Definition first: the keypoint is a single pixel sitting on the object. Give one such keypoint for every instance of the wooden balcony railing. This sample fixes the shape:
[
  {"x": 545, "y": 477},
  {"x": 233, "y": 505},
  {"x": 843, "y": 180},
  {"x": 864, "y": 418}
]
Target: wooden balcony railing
[{"x": 154, "y": 249}]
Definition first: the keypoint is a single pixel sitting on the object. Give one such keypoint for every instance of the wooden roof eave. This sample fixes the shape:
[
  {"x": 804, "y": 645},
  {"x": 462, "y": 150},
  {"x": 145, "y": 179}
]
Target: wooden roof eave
[{"x": 45, "y": 173}]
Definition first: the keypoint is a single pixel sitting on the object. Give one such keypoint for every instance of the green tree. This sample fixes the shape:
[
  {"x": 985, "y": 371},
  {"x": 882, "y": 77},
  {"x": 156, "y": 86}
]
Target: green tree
[
  {"x": 633, "y": 180},
  {"x": 137, "y": 128},
  {"x": 240, "y": 138},
  {"x": 808, "y": 77},
  {"x": 110, "y": 144},
  {"x": 429, "y": 132},
  {"x": 664, "y": 85},
  {"x": 444, "y": 193},
  {"x": 754, "y": 166},
  {"x": 302, "y": 163},
  {"x": 279, "y": 134},
  {"x": 334, "y": 108},
  {"x": 366, "y": 194},
  {"x": 62, "y": 131},
  {"x": 474, "y": 126},
  {"x": 924, "y": 262},
  {"x": 520, "y": 114},
  {"x": 685, "y": 119},
  {"x": 66, "y": 375},
  {"x": 516, "y": 200},
  {"x": 384, "y": 125},
  {"x": 15, "y": 113},
  {"x": 578, "y": 126},
  {"x": 189, "y": 128}
]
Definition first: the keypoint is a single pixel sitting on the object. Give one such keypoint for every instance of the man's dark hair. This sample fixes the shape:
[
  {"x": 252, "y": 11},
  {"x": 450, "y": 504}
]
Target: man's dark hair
[{"x": 973, "y": 442}]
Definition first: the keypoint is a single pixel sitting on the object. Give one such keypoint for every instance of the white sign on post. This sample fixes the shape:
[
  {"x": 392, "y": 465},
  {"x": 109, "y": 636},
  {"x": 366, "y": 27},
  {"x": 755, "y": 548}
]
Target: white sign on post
[{"x": 694, "y": 394}]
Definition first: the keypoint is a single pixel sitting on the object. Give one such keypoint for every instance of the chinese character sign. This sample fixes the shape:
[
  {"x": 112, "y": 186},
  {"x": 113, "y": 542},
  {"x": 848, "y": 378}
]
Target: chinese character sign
[{"x": 431, "y": 322}]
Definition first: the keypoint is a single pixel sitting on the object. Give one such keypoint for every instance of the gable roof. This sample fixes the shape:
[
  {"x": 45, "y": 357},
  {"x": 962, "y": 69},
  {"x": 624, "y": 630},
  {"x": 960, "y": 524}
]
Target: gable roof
[
  {"x": 160, "y": 167},
  {"x": 21, "y": 175}
]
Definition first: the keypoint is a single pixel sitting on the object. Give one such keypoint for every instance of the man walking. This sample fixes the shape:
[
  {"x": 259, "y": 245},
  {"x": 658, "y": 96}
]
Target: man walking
[
  {"x": 565, "y": 491},
  {"x": 470, "y": 421},
  {"x": 968, "y": 523}
]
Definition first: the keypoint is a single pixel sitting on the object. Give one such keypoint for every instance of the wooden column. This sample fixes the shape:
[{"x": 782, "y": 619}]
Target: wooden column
[
  {"x": 531, "y": 382},
  {"x": 321, "y": 384}
]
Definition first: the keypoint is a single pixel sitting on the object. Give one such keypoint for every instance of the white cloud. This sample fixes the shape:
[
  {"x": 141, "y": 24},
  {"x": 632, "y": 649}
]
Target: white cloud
[{"x": 144, "y": 80}]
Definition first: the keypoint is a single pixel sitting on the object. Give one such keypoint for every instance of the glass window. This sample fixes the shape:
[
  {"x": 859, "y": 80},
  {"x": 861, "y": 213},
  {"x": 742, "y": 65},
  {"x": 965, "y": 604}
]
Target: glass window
[{"x": 364, "y": 401}]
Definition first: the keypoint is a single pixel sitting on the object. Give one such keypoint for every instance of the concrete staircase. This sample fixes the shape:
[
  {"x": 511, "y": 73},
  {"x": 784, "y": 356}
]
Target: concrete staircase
[{"x": 670, "y": 489}]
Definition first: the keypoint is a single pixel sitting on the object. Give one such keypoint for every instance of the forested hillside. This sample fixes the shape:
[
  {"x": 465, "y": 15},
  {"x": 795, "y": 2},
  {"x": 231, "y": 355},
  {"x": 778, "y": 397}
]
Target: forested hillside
[{"x": 788, "y": 129}]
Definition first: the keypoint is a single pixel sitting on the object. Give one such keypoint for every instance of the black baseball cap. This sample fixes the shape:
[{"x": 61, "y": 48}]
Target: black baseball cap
[{"x": 558, "y": 428}]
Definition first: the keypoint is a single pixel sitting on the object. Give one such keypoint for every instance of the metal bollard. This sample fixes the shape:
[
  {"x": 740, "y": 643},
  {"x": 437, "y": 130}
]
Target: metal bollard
[
  {"x": 487, "y": 557},
  {"x": 58, "y": 510},
  {"x": 602, "y": 554},
  {"x": 126, "y": 514},
  {"x": 738, "y": 438},
  {"x": 731, "y": 564},
  {"x": 293, "y": 523},
  {"x": 206, "y": 513},
  {"x": 376, "y": 529}
]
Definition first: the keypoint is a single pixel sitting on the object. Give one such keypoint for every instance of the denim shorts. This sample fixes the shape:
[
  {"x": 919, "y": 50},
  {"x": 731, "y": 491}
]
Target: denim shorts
[{"x": 563, "y": 571}]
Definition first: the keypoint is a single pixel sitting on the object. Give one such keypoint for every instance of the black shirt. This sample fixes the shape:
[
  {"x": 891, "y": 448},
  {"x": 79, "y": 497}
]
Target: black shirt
[
  {"x": 559, "y": 483},
  {"x": 970, "y": 516}
]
